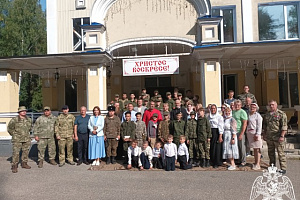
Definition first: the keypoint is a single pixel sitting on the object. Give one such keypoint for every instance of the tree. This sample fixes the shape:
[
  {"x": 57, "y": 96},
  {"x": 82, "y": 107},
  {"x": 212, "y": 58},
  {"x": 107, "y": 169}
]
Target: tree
[
  {"x": 266, "y": 25},
  {"x": 23, "y": 32}
]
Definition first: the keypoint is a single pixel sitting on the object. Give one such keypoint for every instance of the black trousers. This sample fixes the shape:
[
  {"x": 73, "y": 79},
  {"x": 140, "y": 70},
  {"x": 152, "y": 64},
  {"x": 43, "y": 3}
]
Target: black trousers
[
  {"x": 145, "y": 161},
  {"x": 135, "y": 161},
  {"x": 215, "y": 148},
  {"x": 170, "y": 163},
  {"x": 183, "y": 162},
  {"x": 157, "y": 162},
  {"x": 83, "y": 140}
]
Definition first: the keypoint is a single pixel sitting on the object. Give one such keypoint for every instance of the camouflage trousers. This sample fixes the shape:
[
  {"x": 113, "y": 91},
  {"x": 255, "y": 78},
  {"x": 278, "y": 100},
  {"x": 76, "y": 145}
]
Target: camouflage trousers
[
  {"x": 204, "y": 149},
  {"x": 42, "y": 145},
  {"x": 193, "y": 148},
  {"x": 62, "y": 144},
  {"x": 17, "y": 146},
  {"x": 112, "y": 145},
  {"x": 279, "y": 146}
]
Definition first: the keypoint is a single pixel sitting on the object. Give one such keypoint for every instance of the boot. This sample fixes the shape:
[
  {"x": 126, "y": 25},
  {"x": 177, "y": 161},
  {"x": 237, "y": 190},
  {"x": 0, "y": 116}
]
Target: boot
[
  {"x": 108, "y": 161},
  {"x": 207, "y": 163},
  {"x": 203, "y": 163},
  {"x": 25, "y": 165},
  {"x": 191, "y": 161},
  {"x": 40, "y": 164},
  {"x": 197, "y": 163},
  {"x": 113, "y": 160},
  {"x": 52, "y": 162},
  {"x": 14, "y": 168}
]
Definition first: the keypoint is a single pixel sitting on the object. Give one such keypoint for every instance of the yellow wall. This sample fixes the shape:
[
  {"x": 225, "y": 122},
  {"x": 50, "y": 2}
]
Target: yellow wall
[
  {"x": 212, "y": 85},
  {"x": 271, "y": 86},
  {"x": 93, "y": 90}
]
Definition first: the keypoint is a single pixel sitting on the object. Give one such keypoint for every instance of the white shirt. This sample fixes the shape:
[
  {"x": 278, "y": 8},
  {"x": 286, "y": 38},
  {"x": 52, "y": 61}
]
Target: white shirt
[
  {"x": 134, "y": 152},
  {"x": 183, "y": 150},
  {"x": 170, "y": 150},
  {"x": 147, "y": 152},
  {"x": 216, "y": 121},
  {"x": 157, "y": 152}
]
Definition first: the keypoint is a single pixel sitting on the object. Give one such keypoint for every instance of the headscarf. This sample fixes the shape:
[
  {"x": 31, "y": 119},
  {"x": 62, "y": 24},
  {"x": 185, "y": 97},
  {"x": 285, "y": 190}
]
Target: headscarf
[{"x": 214, "y": 115}]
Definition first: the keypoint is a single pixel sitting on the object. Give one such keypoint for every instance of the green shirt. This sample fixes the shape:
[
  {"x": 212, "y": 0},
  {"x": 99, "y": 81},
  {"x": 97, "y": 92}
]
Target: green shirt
[
  {"x": 19, "y": 129},
  {"x": 239, "y": 116},
  {"x": 44, "y": 126}
]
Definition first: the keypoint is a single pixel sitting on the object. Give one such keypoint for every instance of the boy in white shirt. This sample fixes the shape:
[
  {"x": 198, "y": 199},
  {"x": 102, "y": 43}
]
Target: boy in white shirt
[
  {"x": 134, "y": 153},
  {"x": 183, "y": 154},
  {"x": 170, "y": 154},
  {"x": 146, "y": 157},
  {"x": 157, "y": 156}
]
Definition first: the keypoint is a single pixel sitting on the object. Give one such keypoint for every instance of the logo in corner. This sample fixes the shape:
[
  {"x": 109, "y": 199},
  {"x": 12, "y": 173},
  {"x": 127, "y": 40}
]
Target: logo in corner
[{"x": 272, "y": 186}]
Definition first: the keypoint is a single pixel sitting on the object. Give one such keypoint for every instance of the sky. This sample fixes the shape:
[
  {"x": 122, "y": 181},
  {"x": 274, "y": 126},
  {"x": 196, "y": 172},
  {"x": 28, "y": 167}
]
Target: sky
[{"x": 43, "y": 3}]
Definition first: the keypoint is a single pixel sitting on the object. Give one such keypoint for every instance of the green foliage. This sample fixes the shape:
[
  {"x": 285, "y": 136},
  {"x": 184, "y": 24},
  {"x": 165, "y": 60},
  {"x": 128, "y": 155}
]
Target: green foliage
[
  {"x": 266, "y": 25},
  {"x": 23, "y": 32}
]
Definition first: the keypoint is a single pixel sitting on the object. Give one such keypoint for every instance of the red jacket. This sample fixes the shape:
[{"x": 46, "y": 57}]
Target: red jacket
[{"x": 148, "y": 114}]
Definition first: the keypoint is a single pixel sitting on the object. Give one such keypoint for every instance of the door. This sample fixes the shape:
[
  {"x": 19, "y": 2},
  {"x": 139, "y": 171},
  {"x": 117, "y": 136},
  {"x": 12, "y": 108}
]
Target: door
[
  {"x": 71, "y": 94},
  {"x": 162, "y": 83},
  {"x": 229, "y": 83}
]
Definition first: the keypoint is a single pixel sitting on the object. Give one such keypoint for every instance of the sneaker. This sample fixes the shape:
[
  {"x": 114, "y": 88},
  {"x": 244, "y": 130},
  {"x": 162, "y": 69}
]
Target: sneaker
[
  {"x": 231, "y": 168},
  {"x": 94, "y": 162},
  {"x": 97, "y": 162},
  {"x": 62, "y": 164},
  {"x": 282, "y": 171}
]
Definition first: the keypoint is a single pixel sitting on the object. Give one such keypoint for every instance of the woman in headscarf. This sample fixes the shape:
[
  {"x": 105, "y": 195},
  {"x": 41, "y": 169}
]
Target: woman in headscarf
[
  {"x": 254, "y": 128},
  {"x": 217, "y": 128},
  {"x": 230, "y": 148}
]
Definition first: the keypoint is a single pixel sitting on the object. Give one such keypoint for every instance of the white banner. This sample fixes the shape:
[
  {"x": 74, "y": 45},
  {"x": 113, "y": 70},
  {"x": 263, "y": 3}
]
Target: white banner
[{"x": 151, "y": 66}]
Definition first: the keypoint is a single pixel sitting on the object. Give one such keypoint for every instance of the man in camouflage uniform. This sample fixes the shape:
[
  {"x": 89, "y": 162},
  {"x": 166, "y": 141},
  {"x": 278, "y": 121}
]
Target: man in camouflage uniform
[
  {"x": 275, "y": 127},
  {"x": 118, "y": 100},
  {"x": 64, "y": 128},
  {"x": 164, "y": 128},
  {"x": 177, "y": 128},
  {"x": 155, "y": 95},
  {"x": 44, "y": 134},
  {"x": 191, "y": 137},
  {"x": 112, "y": 134},
  {"x": 170, "y": 101},
  {"x": 140, "y": 131},
  {"x": 158, "y": 105},
  {"x": 19, "y": 128},
  {"x": 246, "y": 94}
]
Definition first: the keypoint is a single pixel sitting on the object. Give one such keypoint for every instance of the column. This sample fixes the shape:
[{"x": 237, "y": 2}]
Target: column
[
  {"x": 211, "y": 83},
  {"x": 247, "y": 20}
]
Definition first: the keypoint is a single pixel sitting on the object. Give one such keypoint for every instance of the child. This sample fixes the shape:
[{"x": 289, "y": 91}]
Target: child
[
  {"x": 140, "y": 131},
  {"x": 163, "y": 128},
  {"x": 127, "y": 133},
  {"x": 191, "y": 135},
  {"x": 133, "y": 155},
  {"x": 146, "y": 157},
  {"x": 170, "y": 154},
  {"x": 203, "y": 137},
  {"x": 177, "y": 127},
  {"x": 183, "y": 154},
  {"x": 152, "y": 129},
  {"x": 157, "y": 156}
]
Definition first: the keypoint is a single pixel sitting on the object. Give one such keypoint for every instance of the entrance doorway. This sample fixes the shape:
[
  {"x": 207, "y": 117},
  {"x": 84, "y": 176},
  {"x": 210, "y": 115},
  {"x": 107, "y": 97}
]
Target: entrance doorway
[
  {"x": 71, "y": 94},
  {"x": 230, "y": 83},
  {"x": 162, "y": 83}
]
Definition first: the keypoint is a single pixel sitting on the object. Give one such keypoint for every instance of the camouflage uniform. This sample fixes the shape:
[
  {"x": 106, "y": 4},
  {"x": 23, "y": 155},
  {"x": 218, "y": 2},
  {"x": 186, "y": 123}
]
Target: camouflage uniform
[
  {"x": 132, "y": 102},
  {"x": 20, "y": 129},
  {"x": 191, "y": 135},
  {"x": 64, "y": 129},
  {"x": 164, "y": 130},
  {"x": 243, "y": 97},
  {"x": 121, "y": 104},
  {"x": 171, "y": 104},
  {"x": 140, "y": 132},
  {"x": 112, "y": 131},
  {"x": 44, "y": 129},
  {"x": 160, "y": 107},
  {"x": 127, "y": 129},
  {"x": 203, "y": 133},
  {"x": 274, "y": 123},
  {"x": 177, "y": 128}
]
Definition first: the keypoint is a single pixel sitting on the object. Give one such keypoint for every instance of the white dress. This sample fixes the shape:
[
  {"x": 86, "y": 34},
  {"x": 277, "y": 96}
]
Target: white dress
[{"x": 230, "y": 150}]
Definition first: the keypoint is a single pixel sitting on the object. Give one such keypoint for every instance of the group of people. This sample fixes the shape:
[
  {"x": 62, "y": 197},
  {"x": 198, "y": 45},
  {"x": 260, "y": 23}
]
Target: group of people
[{"x": 155, "y": 134}]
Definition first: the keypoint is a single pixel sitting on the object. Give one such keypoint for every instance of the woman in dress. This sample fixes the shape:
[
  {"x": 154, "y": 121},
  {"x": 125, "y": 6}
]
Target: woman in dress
[
  {"x": 96, "y": 137},
  {"x": 230, "y": 147},
  {"x": 217, "y": 127},
  {"x": 254, "y": 128}
]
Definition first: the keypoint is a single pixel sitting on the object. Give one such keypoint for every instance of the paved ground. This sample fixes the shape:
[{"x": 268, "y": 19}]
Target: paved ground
[{"x": 77, "y": 182}]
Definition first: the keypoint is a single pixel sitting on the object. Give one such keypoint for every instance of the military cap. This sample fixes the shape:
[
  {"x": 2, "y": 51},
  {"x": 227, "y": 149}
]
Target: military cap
[
  {"x": 128, "y": 112},
  {"x": 166, "y": 113},
  {"x": 168, "y": 93},
  {"x": 22, "y": 108},
  {"x": 178, "y": 113},
  {"x": 111, "y": 108},
  {"x": 157, "y": 100},
  {"x": 138, "y": 113},
  {"x": 186, "y": 99},
  {"x": 179, "y": 94},
  {"x": 146, "y": 99},
  {"x": 47, "y": 108},
  {"x": 116, "y": 95},
  {"x": 143, "y": 94},
  {"x": 155, "y": 115},
  {"x": 192, "y": 113},
  {"x": 65, "y": 107},
  {"x": 155, "y": 91},
  {"x": 158, "y": 96}
]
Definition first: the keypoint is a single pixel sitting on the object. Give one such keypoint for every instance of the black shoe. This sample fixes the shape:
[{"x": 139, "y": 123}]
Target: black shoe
[
  {"x": 86, "y": 162},
  {"x": 282, "y": 171},
  {"x": 79, "y": 163},
  {"x": 207, "y": 163},
  {"x": 113, "y": 160},
  {"x": 242, "y": 165},
  {"x": 203, "y": 163},
  {"x": 191, "y": 161},
  {"x": 108, "y": 161}
]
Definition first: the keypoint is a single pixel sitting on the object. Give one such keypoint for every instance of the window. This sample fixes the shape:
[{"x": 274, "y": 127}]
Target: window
[
  {"x": 227, "y": 25},
  {"x": 288, "y": 89},
  {"x": 78, "y": 35},
  {"x": 278, "y": 21}
]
